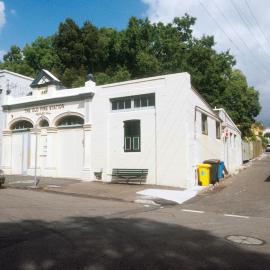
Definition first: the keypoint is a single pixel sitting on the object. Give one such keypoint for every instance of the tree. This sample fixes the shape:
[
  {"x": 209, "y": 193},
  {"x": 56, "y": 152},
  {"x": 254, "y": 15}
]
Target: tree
[
  {"x": 41, "y": 54},
  {"x": 14, "y": 61},
  {"x": 241, "y": 101}
]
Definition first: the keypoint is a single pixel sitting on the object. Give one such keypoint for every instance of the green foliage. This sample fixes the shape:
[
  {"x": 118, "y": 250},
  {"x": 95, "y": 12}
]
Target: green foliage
[
  {"x": 118, "y": 75},
  {"x": 241, "y": 101},
  {"x": 142, "y": 49},
  {"x": 264, "y": 141},
  {"x": 267, "y": 135},
  {"x": 14, "y": 61},
  {"x": 41, "y": 54}
]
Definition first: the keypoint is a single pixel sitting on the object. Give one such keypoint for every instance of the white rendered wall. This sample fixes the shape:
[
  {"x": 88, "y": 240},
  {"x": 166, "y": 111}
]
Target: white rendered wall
[
  {"x": 232, "y": 145},
  {"x": 61, "y": 152},
  {"x": 201, "y": 146},
  {"x": 172, "y": 143},
  {"x": 163, "y": 129}
]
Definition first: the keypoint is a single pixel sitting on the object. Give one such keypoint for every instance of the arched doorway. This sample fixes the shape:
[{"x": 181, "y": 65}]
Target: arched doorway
[
  {"x": 20, "y": 145},
  {"x": 70, "y": 146}
]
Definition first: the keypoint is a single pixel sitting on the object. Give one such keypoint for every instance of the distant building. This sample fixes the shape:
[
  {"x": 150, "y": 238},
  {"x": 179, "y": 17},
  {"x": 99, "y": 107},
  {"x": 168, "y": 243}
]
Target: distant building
[
  {"x": 15, "y": 85},
  {"x": 160, "y": 123},
  {"x": 266, "y": 130},
  {"x": 257, "y": 129}
]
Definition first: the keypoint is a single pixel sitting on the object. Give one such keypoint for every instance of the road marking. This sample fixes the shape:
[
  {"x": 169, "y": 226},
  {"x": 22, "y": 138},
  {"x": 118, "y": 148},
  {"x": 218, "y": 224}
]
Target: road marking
[
  {"x": 237, "y": 216},
  {"x": 193, "y": 211}
]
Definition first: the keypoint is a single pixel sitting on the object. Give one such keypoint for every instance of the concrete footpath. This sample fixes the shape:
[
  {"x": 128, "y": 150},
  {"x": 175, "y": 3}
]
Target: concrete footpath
[
  {"x": 149, "y": 194},
  {"x": 93, "y": 189}
]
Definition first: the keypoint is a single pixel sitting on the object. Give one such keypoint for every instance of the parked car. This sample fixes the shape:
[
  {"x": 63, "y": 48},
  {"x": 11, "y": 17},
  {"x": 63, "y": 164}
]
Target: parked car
[
  {"x": 267, "y": 148},
  {"x": 2, "y": 178}
]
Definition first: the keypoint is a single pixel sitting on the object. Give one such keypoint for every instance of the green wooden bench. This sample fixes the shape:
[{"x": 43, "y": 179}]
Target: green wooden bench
[{"x": 129, "y": 175}]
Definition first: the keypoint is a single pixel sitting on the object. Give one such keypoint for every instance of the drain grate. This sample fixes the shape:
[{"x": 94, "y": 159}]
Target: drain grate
[{"x": 244, "y": 240}]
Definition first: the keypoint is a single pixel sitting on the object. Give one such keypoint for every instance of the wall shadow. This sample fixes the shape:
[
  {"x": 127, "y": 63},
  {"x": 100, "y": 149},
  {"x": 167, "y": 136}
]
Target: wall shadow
[{"x": 118, "y": 243}]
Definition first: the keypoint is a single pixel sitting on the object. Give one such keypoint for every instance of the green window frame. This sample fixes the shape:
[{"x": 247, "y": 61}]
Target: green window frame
[{"x": 132, "y": 136}]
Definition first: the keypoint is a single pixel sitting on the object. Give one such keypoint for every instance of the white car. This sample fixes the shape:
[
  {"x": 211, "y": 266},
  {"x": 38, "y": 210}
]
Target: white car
[{"x": 267, "y": 148}]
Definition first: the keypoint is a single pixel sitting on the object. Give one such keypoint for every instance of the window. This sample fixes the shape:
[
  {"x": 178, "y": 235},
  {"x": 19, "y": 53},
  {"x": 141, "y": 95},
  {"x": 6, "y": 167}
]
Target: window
[
  {"x": 144, "y": 101},
  {"x": 204, "y": 124},
  {"x": 218, "y": 133},
  {"x": 132, "y": 136},
  {"x": 21, "y": 125},
  {"x": 231, "y": 139},
  {"x": 133, "y": 102},
  {"x": 43, "y": 123},
  {"x": 121, "y": 104},
  {"x": 70, "y": 121}
]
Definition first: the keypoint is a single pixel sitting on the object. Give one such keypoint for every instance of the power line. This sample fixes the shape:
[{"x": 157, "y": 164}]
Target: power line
[
  {"x": 228, "y": 37},
  {"x": 256, "y": 21},
  {"x": 235, "y": 32},
  {"x": 246, "y": 22},
  {"x": 232, "y": 27},
  {"x": 204, "y": 7}
]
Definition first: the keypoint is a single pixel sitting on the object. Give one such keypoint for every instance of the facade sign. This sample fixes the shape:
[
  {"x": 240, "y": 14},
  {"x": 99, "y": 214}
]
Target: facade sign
[{"x": 44, "y": 109}]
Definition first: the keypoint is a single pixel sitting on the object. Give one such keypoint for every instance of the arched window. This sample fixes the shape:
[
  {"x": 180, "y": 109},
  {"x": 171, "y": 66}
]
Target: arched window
[
  {"x": 21, "y": 125},
  {"x": 70, "y": 121},
  {"x": 43, "y": 123}
]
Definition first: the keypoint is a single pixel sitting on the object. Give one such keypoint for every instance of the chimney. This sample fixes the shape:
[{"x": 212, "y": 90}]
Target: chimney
[
  {"x": 90, "y": 77},
  {"x": 90, "y": 81}
]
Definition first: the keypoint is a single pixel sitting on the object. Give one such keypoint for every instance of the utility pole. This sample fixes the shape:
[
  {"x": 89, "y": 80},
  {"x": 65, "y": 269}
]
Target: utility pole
[{"x": 36, "y": 152}]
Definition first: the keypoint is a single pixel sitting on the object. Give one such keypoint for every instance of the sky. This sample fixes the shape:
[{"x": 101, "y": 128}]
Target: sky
[{"x": 241, "y": 26}]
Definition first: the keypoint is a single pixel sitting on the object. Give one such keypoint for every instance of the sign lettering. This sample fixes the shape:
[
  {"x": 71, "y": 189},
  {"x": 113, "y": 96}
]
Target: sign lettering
[{"x": 44, "y": 109}]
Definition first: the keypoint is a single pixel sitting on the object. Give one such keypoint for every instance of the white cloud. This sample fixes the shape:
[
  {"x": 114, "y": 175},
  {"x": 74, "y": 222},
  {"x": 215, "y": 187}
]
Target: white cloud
[
  {"x": 245, "y": 33},
  {"x": 2, "y": 14}
]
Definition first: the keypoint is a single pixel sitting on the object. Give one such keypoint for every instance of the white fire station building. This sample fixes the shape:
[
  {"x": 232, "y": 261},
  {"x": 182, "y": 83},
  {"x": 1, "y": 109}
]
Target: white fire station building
[{"x": 160, "y": 123}]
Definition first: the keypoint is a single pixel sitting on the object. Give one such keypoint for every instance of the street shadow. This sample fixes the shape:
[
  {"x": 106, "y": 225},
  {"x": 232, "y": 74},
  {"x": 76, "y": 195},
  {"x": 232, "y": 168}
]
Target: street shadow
[
  {"x": 267, "y": 179},
  {"x": 118, "y": 243}
]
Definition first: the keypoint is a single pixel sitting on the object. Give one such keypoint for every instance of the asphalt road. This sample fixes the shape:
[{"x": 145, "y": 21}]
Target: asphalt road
[
  {"x": 247, "y": 193},
  {"x": 48, "y": 231}
]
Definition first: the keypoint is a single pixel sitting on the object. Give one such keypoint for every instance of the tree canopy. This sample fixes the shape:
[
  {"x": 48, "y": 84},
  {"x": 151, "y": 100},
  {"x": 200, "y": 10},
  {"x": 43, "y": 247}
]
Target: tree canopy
[{"x": 140, "y": 50}]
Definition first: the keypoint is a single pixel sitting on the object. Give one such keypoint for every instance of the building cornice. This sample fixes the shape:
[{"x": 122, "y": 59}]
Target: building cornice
[{"x": 47, "y": 101}]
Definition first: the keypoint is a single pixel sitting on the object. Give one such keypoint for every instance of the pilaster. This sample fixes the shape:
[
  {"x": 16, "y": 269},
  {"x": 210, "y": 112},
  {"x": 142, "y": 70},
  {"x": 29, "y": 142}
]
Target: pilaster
[
  {"x": 51, "y": 159},
  {"x": 87, "y": 173}
]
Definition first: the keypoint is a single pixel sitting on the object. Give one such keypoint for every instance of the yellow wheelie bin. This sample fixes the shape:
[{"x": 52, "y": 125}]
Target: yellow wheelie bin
[{"x": 204, "y": 174}]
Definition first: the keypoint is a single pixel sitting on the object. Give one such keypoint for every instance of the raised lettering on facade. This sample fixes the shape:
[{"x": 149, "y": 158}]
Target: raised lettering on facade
[{"x": 44, "y": 109}]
